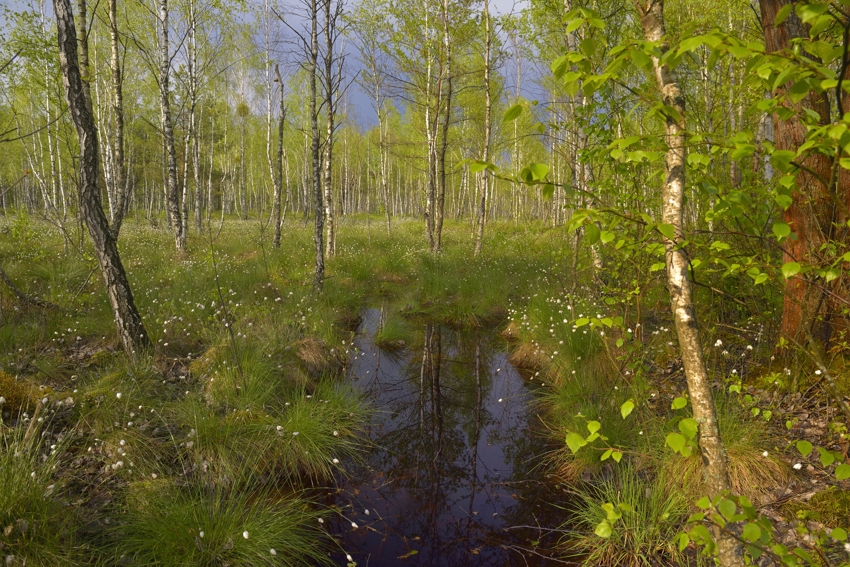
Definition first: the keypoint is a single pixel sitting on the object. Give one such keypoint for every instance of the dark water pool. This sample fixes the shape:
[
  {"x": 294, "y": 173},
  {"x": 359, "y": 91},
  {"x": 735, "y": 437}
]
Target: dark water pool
[{"x": 454, "y": 477}]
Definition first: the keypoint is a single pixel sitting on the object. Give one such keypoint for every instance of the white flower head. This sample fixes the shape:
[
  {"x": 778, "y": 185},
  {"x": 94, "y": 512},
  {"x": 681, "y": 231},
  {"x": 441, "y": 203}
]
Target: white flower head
[
  {"x": 245, "y": 534},
  {"x": 349, "y": 558},
  {"x": 118, "y": 395},
  {"x": 797, "y": 466},
  {"x": 354, "y": 525},
  {"x": 764, "y": 454},
  {"x": 272, "y": 552}
]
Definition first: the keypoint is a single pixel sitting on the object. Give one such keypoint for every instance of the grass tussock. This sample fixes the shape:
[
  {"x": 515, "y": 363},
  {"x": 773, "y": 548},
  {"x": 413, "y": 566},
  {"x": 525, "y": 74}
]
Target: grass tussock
[
  {"x": 239, "y": 525},
  {"x": 35, "y": 527},
  {"x": 645, "y": 534},
  {"x": 19, "y": 396}
]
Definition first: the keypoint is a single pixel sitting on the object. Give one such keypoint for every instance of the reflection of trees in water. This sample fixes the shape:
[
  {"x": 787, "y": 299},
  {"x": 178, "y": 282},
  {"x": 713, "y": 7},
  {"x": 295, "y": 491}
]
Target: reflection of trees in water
[{"x": 438, "y": 433}]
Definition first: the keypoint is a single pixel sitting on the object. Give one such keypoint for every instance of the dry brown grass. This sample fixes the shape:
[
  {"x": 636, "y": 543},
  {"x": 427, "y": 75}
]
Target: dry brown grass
[
  {"x": 750, "y": 474},
  {"x": 511, "y": 332},
  {"x": 204, "y": 363},
  {"x": 317, "y": 356},
  {"x": 526, "y": 356},
  {"x": 20, "y": 395}
]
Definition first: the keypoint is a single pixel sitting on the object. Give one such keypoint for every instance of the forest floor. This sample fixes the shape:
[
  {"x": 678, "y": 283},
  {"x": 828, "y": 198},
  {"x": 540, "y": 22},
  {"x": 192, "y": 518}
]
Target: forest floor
[{"x": 205, "y": 450}]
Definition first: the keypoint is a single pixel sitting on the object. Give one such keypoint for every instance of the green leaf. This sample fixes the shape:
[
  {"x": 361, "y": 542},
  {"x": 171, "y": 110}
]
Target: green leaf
[
  {"x": 582, "y": 322},
  {"x": 676, "y": 441},
  {"x": 804, "y": 447},
  {"x": 593, "y": 426},
  {"x": 784, "y": 201},
  {"x": 751, "y": 532},
  {"x": 592, "y": 233},
  {"x": 679, "y": 402},
  {"x": 760, "y": 279},
  {"x": 704, "y": 503},
  {"x": 617, "y": 455},
  {"x": 606, "y": 455},
  {"x": 799, "y": 90},
  {"x": 727, "y": 508},
  {"x": 838, "y": 533},
  {"x": 842, "y": 471},
  {"x": 826, "y": 457},
  {"x": 809, "y": 12},
  {"x": 512, "y": 113},
  {"x": 627, "y": 408},
  {"x": 478, "y": 166},
  {"x": 657, "y": 266},
  {"x": 603, "y": 530},
  {"x": 575, "y": 442},
  {"x": 781, "y": 230},
  {"x": 667, "y": 230},
  {"x": 588, "y": 47},
  {"x": 689, "y": 427},
  {"x": 790, "y": 269},
  {"x": 783, "y": 14},
  {"x": 539, "y": 170},
  {"x": 574, "y": 24},
  {"x": 684, "y": 540}
]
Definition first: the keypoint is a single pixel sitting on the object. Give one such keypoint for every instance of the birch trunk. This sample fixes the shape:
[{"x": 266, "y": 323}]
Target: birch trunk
[
  {"x": 446, "y": 75},
  {"x": 714, "y": 460},
  {"x": 119, "y": 180},
  {"x": 278, "y": 177},
  {"x": 318, "y": 234},
  {"x": 131, "y": 330},
  {"x": 327, "y": 174},
  {"x": 171, "y": 189},
  {"x": 485, "y": 176}
]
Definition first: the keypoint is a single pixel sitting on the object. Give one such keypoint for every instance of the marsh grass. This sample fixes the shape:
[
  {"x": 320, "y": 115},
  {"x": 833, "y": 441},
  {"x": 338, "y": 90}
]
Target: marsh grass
[
  {"x": 35, "y": 528},
  {"x": 240, "y": 525},
  {"x": 751, "y": 473},
  {"x": 313, "y": 436},
  {"x": 395, "y": 334},
  {"x": 570, "y": 406},
  {"x": 643, "y": 537}
]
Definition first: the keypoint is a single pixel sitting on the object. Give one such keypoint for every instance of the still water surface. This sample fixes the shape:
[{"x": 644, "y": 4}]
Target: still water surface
[{"x": 454, "y": 476}]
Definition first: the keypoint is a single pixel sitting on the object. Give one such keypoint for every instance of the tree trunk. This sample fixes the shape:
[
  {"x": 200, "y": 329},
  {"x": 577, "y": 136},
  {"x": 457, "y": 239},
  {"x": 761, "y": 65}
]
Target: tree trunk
[
  {"x": 318, "y": 234},
  {"x": 131, "y": 330},
  {"x": 485, "y": 175},
  {"x": 814, "y": 210},
  {"x": 83, "y": 44},
  {"x": 713, "y": 452},
  {"x": 119, "y": 180},
  {"x": 440, "y": 204},
  {"x": 278, "y": 178},
  {"x": 330, "y": 243},
  {"x": 171, "y": 190}
]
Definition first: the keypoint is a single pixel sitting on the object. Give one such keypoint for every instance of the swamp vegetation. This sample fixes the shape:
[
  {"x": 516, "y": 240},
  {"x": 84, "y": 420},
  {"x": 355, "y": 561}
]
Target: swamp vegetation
[{"x": 241, "y": 325}]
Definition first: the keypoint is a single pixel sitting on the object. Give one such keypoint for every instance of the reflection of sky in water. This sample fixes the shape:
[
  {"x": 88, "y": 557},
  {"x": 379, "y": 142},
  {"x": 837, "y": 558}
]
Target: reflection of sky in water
[{"x": 438, "y": 482}]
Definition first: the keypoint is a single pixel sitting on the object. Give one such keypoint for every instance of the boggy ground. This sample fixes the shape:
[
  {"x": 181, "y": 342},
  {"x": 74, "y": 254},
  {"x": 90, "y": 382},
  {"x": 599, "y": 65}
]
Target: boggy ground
[
  {"x": 201, "y": 451},
  {"x": 204, "y": 451}
]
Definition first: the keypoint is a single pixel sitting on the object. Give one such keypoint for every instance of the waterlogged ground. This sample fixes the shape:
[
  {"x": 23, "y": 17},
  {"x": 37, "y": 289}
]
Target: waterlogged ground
[{"x": 454, "y": 477}]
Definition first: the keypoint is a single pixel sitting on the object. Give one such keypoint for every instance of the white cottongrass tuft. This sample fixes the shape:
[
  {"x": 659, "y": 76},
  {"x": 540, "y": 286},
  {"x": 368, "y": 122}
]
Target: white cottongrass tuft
[{"x": 245, "y": 534}]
